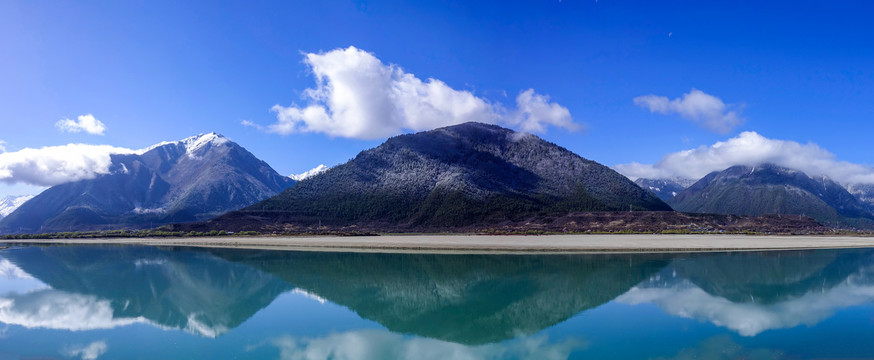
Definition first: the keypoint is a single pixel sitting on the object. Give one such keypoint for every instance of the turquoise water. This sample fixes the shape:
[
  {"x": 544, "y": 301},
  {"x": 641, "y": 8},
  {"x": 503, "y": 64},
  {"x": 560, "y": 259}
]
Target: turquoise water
[{"x": 114, "y": 302}]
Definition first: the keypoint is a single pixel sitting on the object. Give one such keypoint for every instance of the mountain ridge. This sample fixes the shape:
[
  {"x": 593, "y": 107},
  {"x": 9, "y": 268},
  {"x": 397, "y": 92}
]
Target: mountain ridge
[
  {"x": 12, "y": 202},
  {"x": 449, "y": 177},
  {"x": 665, "y": 188},
  {"x": 187, "y": 180},
  {"x": 771, "y": 189}
]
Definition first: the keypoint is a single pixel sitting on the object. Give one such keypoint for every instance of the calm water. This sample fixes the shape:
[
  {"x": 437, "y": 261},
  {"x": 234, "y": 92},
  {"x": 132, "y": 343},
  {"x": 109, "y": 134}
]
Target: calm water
[{"x": 90, "y": 302}]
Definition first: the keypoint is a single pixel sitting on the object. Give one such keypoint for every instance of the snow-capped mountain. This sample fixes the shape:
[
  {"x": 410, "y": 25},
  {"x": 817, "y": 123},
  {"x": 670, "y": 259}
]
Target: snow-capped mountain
[
  {"x": 771, "y": 189},
  {"x": 191, "y": 179},
  {"x": 863, "y": 192},
  {"x": 10, "y": 203},
  {"x": 665, "y": 188},
  {"x": 191, "y": 144},
  {"x": 309, "y": 173}
]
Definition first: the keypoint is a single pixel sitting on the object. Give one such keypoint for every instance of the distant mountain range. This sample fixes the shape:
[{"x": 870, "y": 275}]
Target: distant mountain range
[
  {"x": 665, "y": 188},
  {"x": 466, "y": 177},
  {"x": 10, "y": 203},
  {"x": 466, "y": 174},
  {"x": 188, "y": 180},
  {"x": 863, "y": 192},
  {"x": 770, "y": 189}
]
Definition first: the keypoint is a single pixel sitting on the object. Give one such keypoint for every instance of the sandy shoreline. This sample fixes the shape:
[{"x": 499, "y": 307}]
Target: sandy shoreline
[{"x": 496, "y": 244}]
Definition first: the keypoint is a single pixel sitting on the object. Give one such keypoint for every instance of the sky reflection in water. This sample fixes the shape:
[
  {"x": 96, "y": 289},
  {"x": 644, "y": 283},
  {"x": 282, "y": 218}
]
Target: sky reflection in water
[{"x": 89, "y": 302}]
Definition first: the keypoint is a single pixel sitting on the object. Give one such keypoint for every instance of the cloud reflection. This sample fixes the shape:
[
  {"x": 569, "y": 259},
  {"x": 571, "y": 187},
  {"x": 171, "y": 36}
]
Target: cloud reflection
[
  {"x": 14, "y": 279},
  {"x": 52, "y": 309},
  {"x": 687, "y": 300},
  {"x": 381, "y": 344},
  {"x": 723, "y": 347},
  {"x": 88, "y": 352}
]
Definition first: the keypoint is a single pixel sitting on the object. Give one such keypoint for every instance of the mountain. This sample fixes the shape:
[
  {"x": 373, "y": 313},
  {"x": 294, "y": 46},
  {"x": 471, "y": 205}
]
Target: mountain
[
  {"x": 665, "y": 188},
  {"x": 770, "y": 189},
  {"x": 309, "y": 173},
  {"x": 187, "y": 180},
  {"x": 863, "y": 192},
  {"x": 10, "y": 203},
  {"x": 454, "y": 176}
]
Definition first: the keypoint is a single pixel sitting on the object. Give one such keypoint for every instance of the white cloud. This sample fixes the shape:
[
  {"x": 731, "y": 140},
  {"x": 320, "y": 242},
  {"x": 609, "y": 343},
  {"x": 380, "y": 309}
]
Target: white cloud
[
  {"x": 54, "y": 165},
  {"x": 86, "y": 123},
  {"x": 89, "y": 352},
  {"x": 358, "y": 96},
  {"x": 249, "y": 123},
  {"x": 2, "y": 146},
  {"x": 706, "y": 110},
  {"x": 381, "y": 344},
  {"x": 534, "y": 112},
  {"x": 751, "y": 149}
]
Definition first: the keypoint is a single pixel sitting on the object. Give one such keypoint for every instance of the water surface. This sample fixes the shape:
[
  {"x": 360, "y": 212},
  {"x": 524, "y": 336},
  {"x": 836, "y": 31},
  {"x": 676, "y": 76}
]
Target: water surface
[{"x": 114, "y": 302}]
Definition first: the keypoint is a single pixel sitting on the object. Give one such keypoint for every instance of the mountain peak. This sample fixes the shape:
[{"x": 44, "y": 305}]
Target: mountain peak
[
  {"x": 665, "y": 188},
  {"x": 195, "y": 143},
  {"x": 191, "y": 144},
  {"x": 309, "y": 173},
  {"x": 10, "y": 203},
  {"x": 190, "y": 179},
  {"x": 772, "y": 189},
  {"x": 455, "y": 176}
]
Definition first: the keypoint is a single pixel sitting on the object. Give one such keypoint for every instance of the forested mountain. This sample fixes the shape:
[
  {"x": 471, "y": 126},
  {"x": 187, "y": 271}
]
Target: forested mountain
[{"x": 466, "y": 174}]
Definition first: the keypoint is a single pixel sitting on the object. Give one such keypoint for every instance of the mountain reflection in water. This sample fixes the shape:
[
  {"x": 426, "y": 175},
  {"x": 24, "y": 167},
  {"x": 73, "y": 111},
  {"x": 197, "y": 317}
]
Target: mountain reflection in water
[
  {"x": 753, "y": 292},
  {"x": 470, "y": 300}
]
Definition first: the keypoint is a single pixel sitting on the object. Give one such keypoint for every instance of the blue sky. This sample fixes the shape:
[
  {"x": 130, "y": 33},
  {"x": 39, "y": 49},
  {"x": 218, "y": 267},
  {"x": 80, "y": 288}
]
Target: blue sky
[{"x": 157, "y": 71}]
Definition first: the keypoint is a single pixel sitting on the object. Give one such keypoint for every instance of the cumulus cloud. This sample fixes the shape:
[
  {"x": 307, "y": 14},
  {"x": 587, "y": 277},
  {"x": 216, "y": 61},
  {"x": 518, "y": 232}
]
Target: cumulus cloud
[
  {"x": 88, "y": 352},
  {"x": 358, "y": 96},
  {"x": 2, "y": 146},
  {"x": 380, "y": 344},
  {"x": 86, "y": 123},
  {"x": 707, "y": 110},
  {"x": 534, "y": 112},
  {"x": 751, "y": 149},
  {"x": 53, "y": 165}
]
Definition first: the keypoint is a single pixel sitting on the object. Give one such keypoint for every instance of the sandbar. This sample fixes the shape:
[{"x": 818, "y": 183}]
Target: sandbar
[{"x": 624, "y": 243}]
